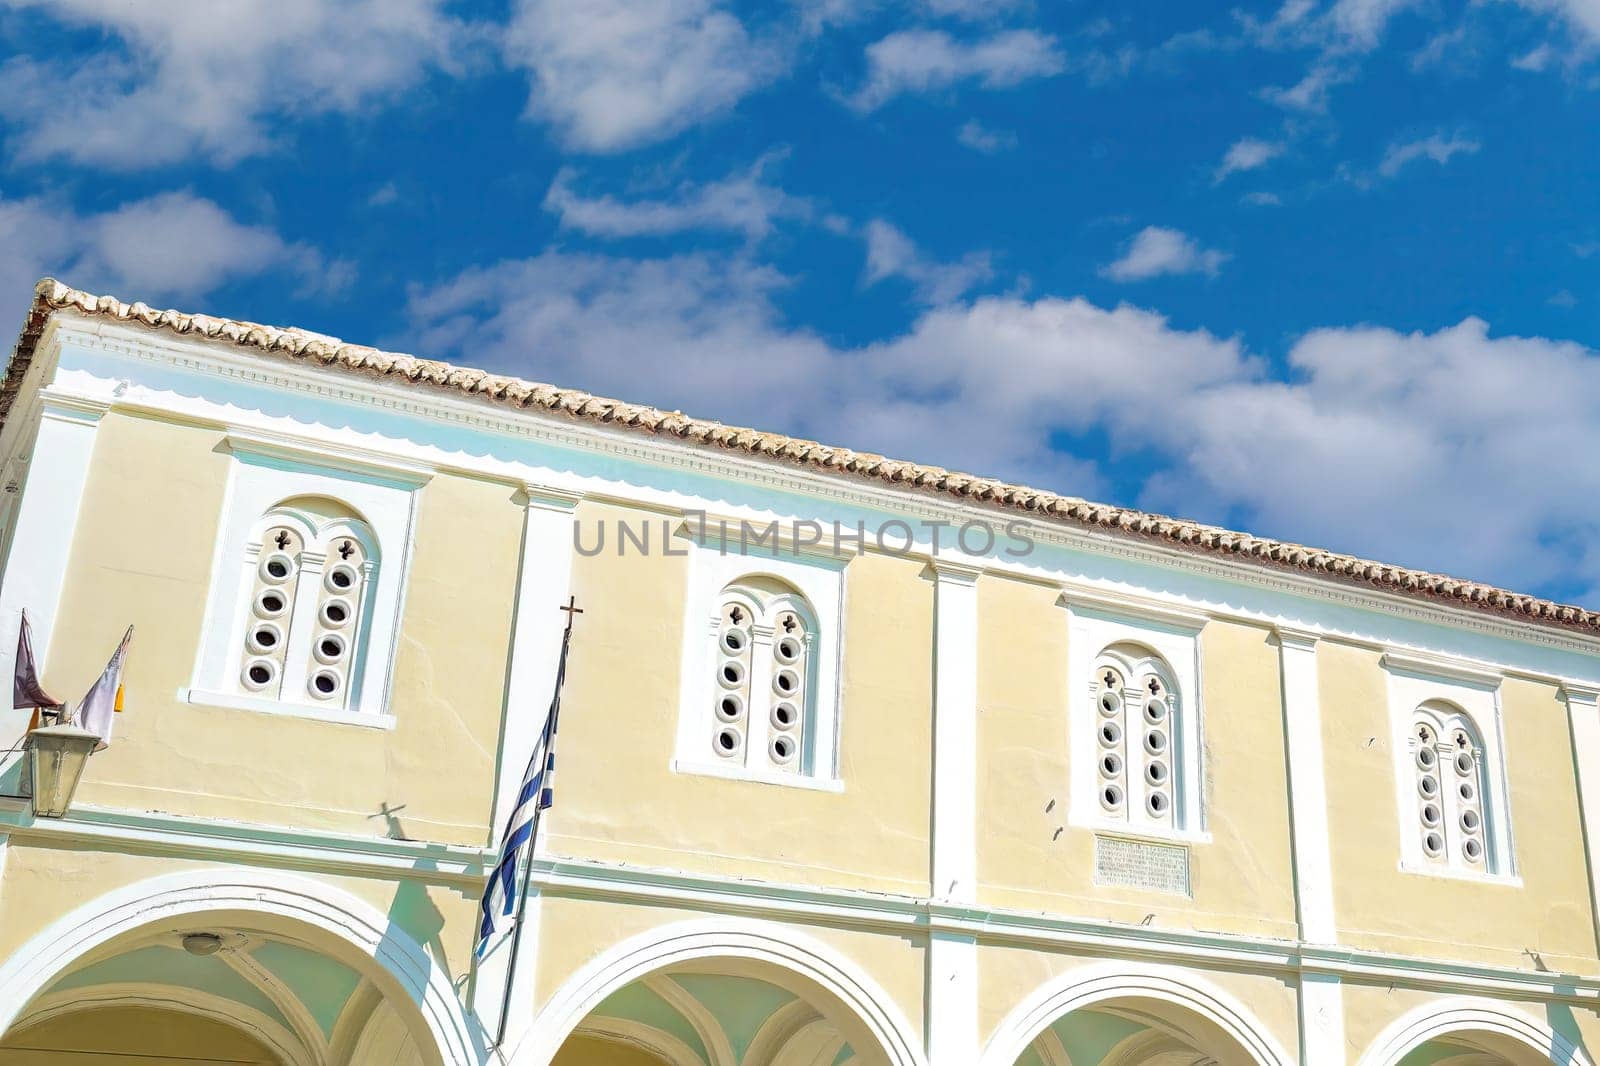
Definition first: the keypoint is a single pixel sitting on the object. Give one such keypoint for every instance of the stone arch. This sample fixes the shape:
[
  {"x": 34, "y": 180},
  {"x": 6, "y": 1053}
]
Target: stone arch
[
  {"x": 336, "y": 923},
  {"x": 1498, "y": 1023},
  {"x": 764, "y": 950},
  {"x": 1163, "y": 992}
]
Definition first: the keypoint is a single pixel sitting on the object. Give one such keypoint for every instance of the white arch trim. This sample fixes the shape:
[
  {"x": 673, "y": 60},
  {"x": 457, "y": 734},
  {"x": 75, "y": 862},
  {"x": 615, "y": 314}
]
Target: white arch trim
[
  {"x": 403, "y": 971},
  {"x": 1459, "y": 1016},
  {"x": 748, "y": 940},
  {"x": 282, "y": 1042},
  {"x": 661, "y": 1044},
  {"x": 1094, "y": 984}
]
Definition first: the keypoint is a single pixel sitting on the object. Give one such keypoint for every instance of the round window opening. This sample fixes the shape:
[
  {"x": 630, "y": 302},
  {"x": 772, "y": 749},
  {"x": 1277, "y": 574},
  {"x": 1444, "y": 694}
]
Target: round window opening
[
  {"x": 1466, "y": 792},
  {"x": 1470, "y": 820},
  {"x": 1110, "y": 703},
  {"x": 259, "y": 674},
  {"x": 1428, "y": 785},
  {"x": 1111, "y": 797},
  {"x": 342, "y": 578},
  {"x": 786, "y": 682},
  {"x": 1156, "y": 803},
  {"x": 1432, "y": 843},
  {"x": 1155, "y": 742},
  {"x": 1155, "y": 711},
  {"x": 730, "y": 708},
  {"x": 270, "y": 604},
  {"x": 732, "y": 674},
  {"x": 1426, "y": 758},
  {"x": 1111, "y": 764},
  {"x": 1464, "y": 762},
  {"x": 264, "y": 639},
  {"x": 727, "y": 741},
  {"x": 1110, "y": 734},
  {"x": 335, "y": 613},
  {"x": 733, "y": 641},
  {"x": 1472, "y": 850},
  {"x": 783, "y": 749},
  {"x": 325, "y": 684},
  {"x": 1156, "y": 773},
  {"x": 330, "y": 648},
  {"x": 785, "y": 715},
  {"x": 788, "y": 650},
  {"x": 276, "y": 568},
  {"x": 1430, "y": 814}
]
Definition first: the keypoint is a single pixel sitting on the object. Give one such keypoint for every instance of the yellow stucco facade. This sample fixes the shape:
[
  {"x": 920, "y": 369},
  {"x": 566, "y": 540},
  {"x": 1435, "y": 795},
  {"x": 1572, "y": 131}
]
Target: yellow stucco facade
[{"x": 954, "y": 866}]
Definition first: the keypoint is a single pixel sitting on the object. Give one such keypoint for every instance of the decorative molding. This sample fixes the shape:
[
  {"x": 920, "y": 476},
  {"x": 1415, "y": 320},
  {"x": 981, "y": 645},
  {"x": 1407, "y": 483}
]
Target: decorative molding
[
  {"x": 1442, "y": 667},
  {"x": 1465, "y": 1016},
  {"x": 718, "y": 1050},
  {"x": 363, "y": 463},
  {"x": 1133, "y": 607},
  {"x": 289, "y": 1004},
  {"x": 199, "y": 357},
  {"x": 903, "y": 915},
  {"x": 1294, "y": 639},
  {"x": 233, "y": 701},
  {"x": 273, "y": 846}
]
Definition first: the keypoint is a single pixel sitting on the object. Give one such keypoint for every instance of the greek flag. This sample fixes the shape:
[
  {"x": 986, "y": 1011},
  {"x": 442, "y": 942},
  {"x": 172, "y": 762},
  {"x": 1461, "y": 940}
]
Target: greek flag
[{"x": 500, "y": 895}]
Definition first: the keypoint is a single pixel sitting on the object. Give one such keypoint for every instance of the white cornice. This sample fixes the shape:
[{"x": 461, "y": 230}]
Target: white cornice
[
  {"x": 900, "y": 915},
  {"x": 150, "y": 833},
  {"x": 1133, "y": 606},
  {"x": 1446, "y": 667},
  {"x": 661, "y": 451}
]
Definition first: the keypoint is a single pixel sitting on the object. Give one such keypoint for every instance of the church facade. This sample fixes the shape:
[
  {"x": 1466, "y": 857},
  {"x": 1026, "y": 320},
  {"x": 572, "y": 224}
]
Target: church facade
[{"x": 860, "y": 763}]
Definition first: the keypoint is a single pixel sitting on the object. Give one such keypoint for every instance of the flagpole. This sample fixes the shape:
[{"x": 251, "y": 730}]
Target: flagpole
[{"x": 573, "y": 610}]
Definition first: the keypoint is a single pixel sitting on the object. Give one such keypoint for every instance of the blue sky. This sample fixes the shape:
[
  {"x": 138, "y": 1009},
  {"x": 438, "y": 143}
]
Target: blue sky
[{"x": 1327, "y": 270}]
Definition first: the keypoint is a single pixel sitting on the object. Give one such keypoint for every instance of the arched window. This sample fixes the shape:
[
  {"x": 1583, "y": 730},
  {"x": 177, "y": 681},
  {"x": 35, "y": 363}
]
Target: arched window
[
  {"x": 1447, "y": 757},
  {"x": 1139, "y": 736},
  {"x": 309, "y": 567},
  {"x": 763, "y": 637}
]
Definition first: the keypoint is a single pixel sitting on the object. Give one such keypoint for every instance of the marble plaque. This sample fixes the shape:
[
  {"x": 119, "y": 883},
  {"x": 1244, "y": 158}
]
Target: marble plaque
[{"x": 1141, "y": 864}]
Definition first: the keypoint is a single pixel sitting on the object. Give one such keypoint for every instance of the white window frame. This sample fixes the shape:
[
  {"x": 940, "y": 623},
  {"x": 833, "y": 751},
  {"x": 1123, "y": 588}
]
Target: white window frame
[
  {"x": 820, "y": 579},
  {"x": 1093, "y": 627},
  {"x": 262, "y": 476},
  {"x": 1412, "y": 682}
]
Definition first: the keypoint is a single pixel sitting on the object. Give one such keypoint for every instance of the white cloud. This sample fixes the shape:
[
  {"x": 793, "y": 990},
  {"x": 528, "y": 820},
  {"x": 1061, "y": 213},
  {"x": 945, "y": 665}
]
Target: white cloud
[
  {"x": 384, "y": 195},
  {"x": 1157, "y": 250},
  {"x": 1311, "y": 92},
  {"x": 614, "y": 74},
  {"x": 1536, "y": 59},
  {"x": 926, "y": 60},
  {"x": 741, "y": 203},
  {"x": 1426, "y": 448},
  {"x": 1263, "y": 199},
  {"x": 174, "y": 246},
  {"x": 971, "y": 9},
  {"x": 1583, "y": 16},
  {"x": 974, "y": 135},
  {"x": 891, "y": 254},
  {"x": 1436, "y": 147},
  {"x": 189, "y": 78},
  {"x": 1248, "y": 153}
]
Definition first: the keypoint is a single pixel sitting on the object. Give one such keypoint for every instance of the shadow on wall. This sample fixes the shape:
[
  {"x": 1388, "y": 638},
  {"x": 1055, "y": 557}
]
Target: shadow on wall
[
  {"x": 412, "y": 911},
  {"x": 1560, "y": 1018}
]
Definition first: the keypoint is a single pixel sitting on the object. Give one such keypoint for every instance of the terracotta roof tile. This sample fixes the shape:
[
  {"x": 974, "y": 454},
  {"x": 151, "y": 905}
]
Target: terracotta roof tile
[{"x": 296, "y": 344}]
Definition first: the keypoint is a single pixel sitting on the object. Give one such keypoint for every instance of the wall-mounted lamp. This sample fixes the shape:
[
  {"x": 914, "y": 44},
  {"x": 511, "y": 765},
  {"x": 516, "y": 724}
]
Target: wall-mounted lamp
[{"x": 56, "y": 755}]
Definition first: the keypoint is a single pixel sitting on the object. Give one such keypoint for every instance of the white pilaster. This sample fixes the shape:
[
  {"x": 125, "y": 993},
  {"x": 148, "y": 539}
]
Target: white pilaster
[
  {"x": 1583, "y": 716},
  {"x": 952, "y": 1001},
  {"x": 543, "y": 585},
  {"x": 41, "y": 539},
  {"x": 1321, "y": 998}
]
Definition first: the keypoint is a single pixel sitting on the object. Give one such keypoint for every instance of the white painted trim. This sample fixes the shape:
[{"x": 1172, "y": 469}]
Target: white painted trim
[
  {"x": 1455, "y": 1016},
  {"x": 908, "y": 916},
  {"x": 1321, "y": 1005},
  {"x": 1583, "y": 723},
  {"x": 1135, "y": 608},
  {"x": 544, "y": 583},
  {"x": 786, "y": 951},
  {"x": 1099, "y": 983},
  {"x": 954, "y": 874},
  {"x": 1308, "y": 790},
  {"x": 233, "y": 701},
  {"x": 1092, "y": 629},
  {"x": 953, "y": 1000},
  {"x": 347, "y": 929},
  {"x": 192, "y": 1001},
  {"x": 719, "y": 1050},
  {"x": 731, "y": 772},
  {"x": 212, "y": 840},
  {"x": 1408, "y": 689},
  {"x": 663, "y": 1045},
  {"x": 1442, "y": 667},
  {"x": 41, "y": 536},
  {"x": 301, "y": 1021},
  {"x": 235, "y": 369},
  {"x": 781, "y": 1026}
]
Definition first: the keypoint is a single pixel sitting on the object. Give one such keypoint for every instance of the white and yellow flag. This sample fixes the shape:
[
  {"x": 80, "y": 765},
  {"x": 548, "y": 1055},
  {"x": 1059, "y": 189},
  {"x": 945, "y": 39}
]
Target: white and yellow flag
[{"x": 104, "y": 698}]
